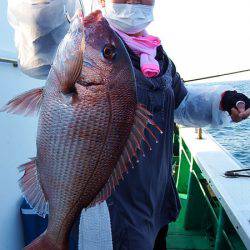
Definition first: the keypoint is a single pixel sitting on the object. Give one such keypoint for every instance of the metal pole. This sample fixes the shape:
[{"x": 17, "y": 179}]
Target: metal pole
[
  {"x": 12, "y": 61},
  {"x": 200, "y": 134}
]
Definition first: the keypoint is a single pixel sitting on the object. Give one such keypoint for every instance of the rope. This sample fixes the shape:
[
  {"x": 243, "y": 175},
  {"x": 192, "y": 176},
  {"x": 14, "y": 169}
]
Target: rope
[{"x": 214, "y": 76}]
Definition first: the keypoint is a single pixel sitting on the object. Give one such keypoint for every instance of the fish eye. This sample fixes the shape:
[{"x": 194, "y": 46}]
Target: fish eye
[{"x": 109, "y": 52}]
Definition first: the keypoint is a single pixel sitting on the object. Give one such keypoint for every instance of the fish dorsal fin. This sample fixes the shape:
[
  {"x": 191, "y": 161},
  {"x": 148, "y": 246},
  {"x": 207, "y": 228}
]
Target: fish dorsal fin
[
  {"x": 31, "y": 188},
  {"x": 133, "y": 145},
  {"x": 68, "y": 65},
  {"x": 28, "y": 103}
]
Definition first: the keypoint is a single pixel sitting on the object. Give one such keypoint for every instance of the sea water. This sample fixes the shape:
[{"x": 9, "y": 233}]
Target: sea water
[{"x": 236, "y": 136}]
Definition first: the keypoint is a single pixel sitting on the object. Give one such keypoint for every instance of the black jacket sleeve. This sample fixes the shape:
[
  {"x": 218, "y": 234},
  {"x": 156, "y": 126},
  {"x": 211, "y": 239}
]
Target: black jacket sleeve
[{"x": 179, "y": 88}]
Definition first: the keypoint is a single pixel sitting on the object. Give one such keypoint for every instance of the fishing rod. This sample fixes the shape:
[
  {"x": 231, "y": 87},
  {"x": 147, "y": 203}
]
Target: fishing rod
[
  {"x": 219, "y": 75},
  {"x": 237, "y": 173},
  {"x": 6, "y": 60}
]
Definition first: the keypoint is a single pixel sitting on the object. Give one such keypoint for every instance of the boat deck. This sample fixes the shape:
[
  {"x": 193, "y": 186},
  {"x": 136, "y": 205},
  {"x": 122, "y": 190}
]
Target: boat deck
[
  {"x": 210, "y": 217},
  {"x": 180, "y": 238}
]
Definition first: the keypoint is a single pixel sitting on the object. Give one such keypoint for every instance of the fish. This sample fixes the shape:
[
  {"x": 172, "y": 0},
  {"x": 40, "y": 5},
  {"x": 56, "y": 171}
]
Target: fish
[{"x": 90, "y": 128}]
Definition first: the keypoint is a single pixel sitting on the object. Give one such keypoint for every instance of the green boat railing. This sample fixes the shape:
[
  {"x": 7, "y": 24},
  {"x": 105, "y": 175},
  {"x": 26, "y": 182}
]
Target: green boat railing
[{"x": 203, "y": 222}]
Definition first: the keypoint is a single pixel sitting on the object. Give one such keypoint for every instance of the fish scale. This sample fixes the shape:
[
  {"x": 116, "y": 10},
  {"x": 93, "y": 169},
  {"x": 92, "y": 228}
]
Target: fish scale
[{"x": 78, "y": 149}]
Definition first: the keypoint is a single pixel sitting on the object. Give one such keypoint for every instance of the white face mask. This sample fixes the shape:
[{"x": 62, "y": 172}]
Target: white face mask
[{"x": 129, "y": 18}]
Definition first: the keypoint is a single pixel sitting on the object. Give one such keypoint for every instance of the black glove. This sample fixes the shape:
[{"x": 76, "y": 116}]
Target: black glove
[{"x": 230, "y": 99}]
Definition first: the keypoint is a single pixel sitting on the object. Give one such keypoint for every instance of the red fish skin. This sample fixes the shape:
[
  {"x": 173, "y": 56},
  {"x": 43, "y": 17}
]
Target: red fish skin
[
  {"x": 72, "y": 175},
  {"x": 44, "y": 243},
  {"x": 81, "y": 134}
]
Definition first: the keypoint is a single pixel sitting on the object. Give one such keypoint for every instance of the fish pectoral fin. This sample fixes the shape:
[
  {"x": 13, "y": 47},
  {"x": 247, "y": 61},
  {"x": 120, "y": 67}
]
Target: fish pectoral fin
[
  {"x": 31, "y": 188},
  {"x": 133, "y": 145},
  {"x": 69, "y": 70},
  {"x": 28, "y": 103}
]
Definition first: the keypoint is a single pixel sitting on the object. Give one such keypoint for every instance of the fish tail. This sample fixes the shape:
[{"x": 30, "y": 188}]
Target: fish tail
[{"x": 44, "y": 242}]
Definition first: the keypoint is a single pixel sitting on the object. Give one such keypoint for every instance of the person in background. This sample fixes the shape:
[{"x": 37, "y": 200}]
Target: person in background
[{"x": 146, "y": 201}]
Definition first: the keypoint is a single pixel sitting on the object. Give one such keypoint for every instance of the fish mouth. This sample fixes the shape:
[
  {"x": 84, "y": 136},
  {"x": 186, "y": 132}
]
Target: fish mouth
[
  {"x": 86, "y": 84},
  {"x": 94, "y": 17}
]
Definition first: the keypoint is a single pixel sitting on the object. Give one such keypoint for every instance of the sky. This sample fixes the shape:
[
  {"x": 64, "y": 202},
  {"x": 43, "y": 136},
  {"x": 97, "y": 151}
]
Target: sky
[{"x": 202, "y": 37}]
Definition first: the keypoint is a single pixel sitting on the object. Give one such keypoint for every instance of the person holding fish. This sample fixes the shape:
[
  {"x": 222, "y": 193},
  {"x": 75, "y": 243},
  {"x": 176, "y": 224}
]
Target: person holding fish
[{"x": 146, "y": 200}]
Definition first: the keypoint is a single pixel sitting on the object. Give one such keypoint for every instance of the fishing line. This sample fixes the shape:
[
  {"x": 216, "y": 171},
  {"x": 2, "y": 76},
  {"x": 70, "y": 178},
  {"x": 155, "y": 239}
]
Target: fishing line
[
  {"x": 66, "y": 14},
  {"x": 92, "y": 5},
  {"x": 81, "y": 4}
]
